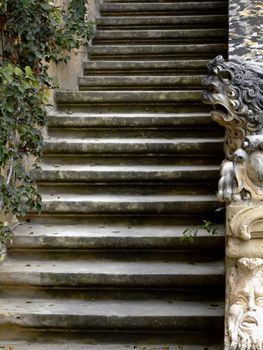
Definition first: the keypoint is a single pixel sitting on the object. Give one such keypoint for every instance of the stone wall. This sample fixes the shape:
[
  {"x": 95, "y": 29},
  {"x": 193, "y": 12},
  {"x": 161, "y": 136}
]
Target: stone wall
[{"x": 67, "y": 73}]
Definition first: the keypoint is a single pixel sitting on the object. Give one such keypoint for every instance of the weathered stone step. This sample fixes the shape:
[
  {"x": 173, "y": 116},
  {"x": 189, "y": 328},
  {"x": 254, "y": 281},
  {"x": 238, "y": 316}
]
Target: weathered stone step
[
  {"x": 108, "y": 340},
  {"x": 132, "y": 133},
  {"x": 189, "y": 36},
  {"x": 22, "y": 345},
  {"x": 151, "y": 1},
  {"x": 132, "y": 146},
  {"x": 110, "y": 273},
  {"x": 129, "y": 120},
  {"x": 97, "y": 293},
  {"x": 125, "y": 191},
  {"x": 114, "y": 107},
  {"x": 166, "y": 68},
  {"x": 131, "y": 159},
  {"x": 105, "y": 97},
  {"x": 160, "y": 21},
  {"x": 185, "y": 101},
  {"x": 131, "y": 125},
  {"x": 110, "y": 314},
  {"x": 133, "y": 173},
  {"x": 173, "y": 8},
  {"x": 74, "y": 202},
  {"x": 115, "y": 233},
  {"x": 190, "y": 257},
  {"x": 150, "y": 51},
  {"x": 140, "y": 82}
]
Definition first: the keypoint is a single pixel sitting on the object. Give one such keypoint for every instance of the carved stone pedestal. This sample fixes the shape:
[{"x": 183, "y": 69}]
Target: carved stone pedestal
[
  {"x": 244, "y": 275},
  {"x": 235, "y": 89}
]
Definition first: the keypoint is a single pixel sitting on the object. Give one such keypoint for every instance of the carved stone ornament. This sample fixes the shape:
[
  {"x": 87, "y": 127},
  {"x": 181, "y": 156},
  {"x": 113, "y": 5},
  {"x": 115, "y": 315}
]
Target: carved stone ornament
[
  {"x": 235, "y": 90},
  {"x": 247, "y": 223},
  {"x": 245, "y": 306}
]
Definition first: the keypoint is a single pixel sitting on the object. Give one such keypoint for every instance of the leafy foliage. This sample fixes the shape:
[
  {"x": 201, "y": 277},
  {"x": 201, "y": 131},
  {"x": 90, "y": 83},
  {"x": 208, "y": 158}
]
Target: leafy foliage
[
  {"x": 36, "y": 30},
  {"x": 32, "y": 34},
  {"x": 190, "y": 233}
]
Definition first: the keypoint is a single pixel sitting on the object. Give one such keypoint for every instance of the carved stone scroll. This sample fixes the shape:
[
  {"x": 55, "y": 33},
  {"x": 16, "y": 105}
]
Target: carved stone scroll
[
  {"x": 247, "y": 223},
  {"x": 235, "y": 90}
]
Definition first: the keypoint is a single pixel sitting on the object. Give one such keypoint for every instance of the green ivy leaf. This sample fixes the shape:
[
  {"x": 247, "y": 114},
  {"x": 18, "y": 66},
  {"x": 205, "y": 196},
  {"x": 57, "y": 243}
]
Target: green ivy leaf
[
  {"x": 29, "y": 73},
  {"x": 18, "y": 71}
]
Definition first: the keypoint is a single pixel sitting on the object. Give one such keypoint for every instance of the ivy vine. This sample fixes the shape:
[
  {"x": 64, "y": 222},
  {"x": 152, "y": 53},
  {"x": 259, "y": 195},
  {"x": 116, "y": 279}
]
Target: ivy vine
[
  {"x": 32, "y": 33},
  {"x": 190, "y": 233}
]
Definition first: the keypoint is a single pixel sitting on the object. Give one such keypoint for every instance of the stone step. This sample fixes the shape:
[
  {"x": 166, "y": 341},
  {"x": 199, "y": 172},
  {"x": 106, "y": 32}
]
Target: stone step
[
  {"x": 160, "y": 22},
  {"x": 145, "y": 120},
  {"x": 146, "y": 68},
  {"x": 110, "y": 314},
  {"x": 115, "y": 233},
  {"x": 132, "y": 134},
  {"x": 151, "y": 1},
  {"x": 114, "y": 102},
  {"x": 125, "y": 191},
  {"x": 189, "y": 36},
  {"x": 155, "y": 52},
  {"x": 105, "y": 273},
  {"x": 125, "y": 174},
  {"x": 130, "y": 159},
  {"x": 190, "y": 257},
  {"x": 181, "y": 102},
  {"x": 161, "y": 9},
  {"x": 140, "y": 82},
  {"x": 132, "y": 146},
  {"x": 108, "y": 340},
  {"x": 22, "y": 345},
  {"x": 79, "y": 200},
  {"x": 82, "y": 97},
  {"x": 196, "y": 294}
]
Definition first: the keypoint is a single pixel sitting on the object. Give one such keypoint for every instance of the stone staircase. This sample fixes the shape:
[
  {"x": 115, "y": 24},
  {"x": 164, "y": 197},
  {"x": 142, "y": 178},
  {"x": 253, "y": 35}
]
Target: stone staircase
[{"x": 130, "y": 161}]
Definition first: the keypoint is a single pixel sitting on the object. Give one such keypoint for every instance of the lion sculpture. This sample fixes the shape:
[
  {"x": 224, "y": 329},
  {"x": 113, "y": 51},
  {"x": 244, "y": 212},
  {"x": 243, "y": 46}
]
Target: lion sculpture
[{"x": 235, "y": 90}]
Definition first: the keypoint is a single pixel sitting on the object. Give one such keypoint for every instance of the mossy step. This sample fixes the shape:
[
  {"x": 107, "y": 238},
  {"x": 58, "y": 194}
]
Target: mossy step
[
  {"x": 133, "y": 173},
  {"x": 132, "y": 36},
  {"x": 175, "y": 8},
  {"x": 151, "y": 51},
  {"x": 160, "y": 22},
  {"x": 158, "y": 121},
  {"x": 115, "y": 233},
  {"x": 120, "y": 102},
  {"x": 21, "y": 345},
  {"x": 123, "y": 146},
  {"x": 146, "y": 68},
  {"x": 104, "y": 273},
  {"x": 135, "y": 134},
  {"x": 106, "y": 97},
  {"x": 140, "y": 82},
  {"x": 126, "y": 191},
  {"x": 152, "y": 1},
  {"x": 129, "y": 160},
  {"x": 110, "y": 314},
  {"x": 123, "y": 203}
]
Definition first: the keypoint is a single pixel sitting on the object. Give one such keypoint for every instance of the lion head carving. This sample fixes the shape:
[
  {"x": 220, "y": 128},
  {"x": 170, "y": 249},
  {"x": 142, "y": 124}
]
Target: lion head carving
[{"x": 235, "y": 90}]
